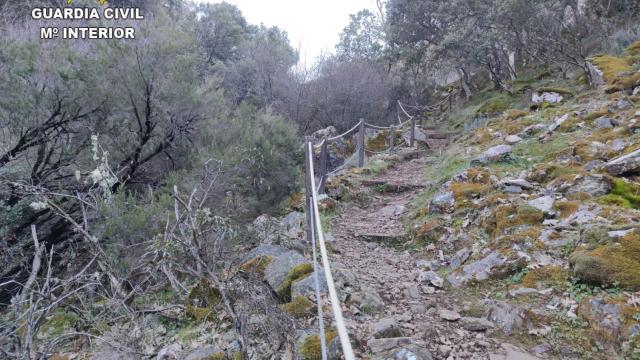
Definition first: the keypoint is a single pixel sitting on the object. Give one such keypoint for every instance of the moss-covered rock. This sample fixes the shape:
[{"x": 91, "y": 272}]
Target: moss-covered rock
[
  {"x": 379, "y": 142},
  {"x": 611, "y": 321},
  {"x": 202, "y": 301},
  {"x": 299, "y": 307},
  {"x": 257, "y": 265},
  {"x": 508, "y": 216},
  {"x": 611, "y": 263},
  {"x": 515, "y": 114},
  {"x": 310, "y": 349},
  {"x": 618, "y": 72},
  {"x": 624, "y": 194},
  {"x": 463, "y": 193},
  {"x": 548, "y": 276},
  {"x": 557, "y": 90},
  {"x": 299, "y": 272},
  {"x": 495, "y": 105}
]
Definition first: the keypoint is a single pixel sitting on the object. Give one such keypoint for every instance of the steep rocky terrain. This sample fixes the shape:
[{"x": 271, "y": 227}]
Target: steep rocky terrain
[{"x": 518, "y": 240}]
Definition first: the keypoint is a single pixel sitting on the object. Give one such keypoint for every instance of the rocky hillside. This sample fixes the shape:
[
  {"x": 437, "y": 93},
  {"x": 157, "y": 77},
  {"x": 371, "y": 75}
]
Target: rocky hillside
[{"x": 518, "y": 240}]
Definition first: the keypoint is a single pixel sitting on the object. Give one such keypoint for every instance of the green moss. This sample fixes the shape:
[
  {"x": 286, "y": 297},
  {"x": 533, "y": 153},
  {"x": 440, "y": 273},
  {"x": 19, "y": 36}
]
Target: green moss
[
  {"x": 299, "y": 307},
  {"x": 189, "y": 333},
  {"x": 566, "y": 208},
  {"x": 548, "y": 276},
  {"x": 508, "y": 216},
  {"x": 202, "y": 301},
  {"x": 628, "y": 191},
  {"x": 311, "y": 347},
  {"x": 58, "y": 322},
  {"x": 495, "y": 105},
  {"x": 557, "y": 90},
  {"x": 596, "y": 114},
  {"x": 257, "y": 265},
  {"x": 465, "y": 192},
  {"x": 297, "y": 273},
  {"x": 615, "y": 200},
  {"x": 618, "y": 71},
  {"x": 378, "y": 143},
  {"x": 611, "y": 66},
  {"x": 546, "y": 105},
  {"x": 515, "y": 114},
  {"x": 611, "y": 263},
  {"x": 625, "y": 194},
  {"x": 634, "y": 48}
]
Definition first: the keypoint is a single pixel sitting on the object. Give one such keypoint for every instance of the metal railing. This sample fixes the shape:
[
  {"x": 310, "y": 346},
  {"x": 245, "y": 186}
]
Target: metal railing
[
  {"x": 359, "y": 129},
  {"x": 315, "y": 234}
]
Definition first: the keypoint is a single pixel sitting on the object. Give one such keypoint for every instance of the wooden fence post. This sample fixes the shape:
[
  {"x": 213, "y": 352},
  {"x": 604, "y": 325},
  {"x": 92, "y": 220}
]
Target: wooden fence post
[
  {"x": 413, "y": 132},
  {"x": 323, "y": 166},
  {"x": 361, "y": 144},
  {"x": 308, "y": 156},
  {"x": 392, "y": 138}
]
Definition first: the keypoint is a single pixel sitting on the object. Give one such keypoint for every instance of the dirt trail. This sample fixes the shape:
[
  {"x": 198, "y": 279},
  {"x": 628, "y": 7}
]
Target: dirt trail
[{"x": 394, "y": 274}]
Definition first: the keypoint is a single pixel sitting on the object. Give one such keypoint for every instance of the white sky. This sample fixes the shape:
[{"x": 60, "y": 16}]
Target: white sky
[{"x": 313, "y": 26}]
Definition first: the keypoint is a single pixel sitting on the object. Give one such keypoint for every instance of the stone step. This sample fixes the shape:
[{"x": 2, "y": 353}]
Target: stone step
[
  {"x": 383, "y": 238},
  {"x": 392, "y": 187}
]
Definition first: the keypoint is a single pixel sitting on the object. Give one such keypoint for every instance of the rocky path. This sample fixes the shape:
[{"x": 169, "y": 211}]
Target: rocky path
[{"x": 406, "y": 311}]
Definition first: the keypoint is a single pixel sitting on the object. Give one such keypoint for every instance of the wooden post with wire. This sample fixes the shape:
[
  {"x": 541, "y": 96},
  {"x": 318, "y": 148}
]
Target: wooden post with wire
[
  {"x": 323, "y": 165},
  {"x": 392, "y": 138},
  {"x": 413, "y": 132},
  {"x": 361, "y": 144},
  {"x": 307, "y": 155}
]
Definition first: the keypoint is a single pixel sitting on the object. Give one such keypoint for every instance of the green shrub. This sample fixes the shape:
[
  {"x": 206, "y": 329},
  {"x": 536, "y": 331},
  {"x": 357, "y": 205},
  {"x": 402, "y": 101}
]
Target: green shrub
[{"x": 495, "y": 105}]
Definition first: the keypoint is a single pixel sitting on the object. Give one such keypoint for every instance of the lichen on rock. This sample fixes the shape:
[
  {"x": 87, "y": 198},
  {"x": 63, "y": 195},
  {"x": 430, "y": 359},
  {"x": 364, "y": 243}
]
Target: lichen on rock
[{"x": 611, "y": 263}]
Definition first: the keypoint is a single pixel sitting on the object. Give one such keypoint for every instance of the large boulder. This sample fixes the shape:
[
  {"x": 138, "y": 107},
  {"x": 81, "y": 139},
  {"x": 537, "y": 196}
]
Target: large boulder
[
  {"x": 307, "y": 286},
  {"x": 386, "y": 328},
  {"x": 543, "y": 203},
  {"x": 264, "y": 250},
  {"x": 479, "y": 270},
  {"x": 596, "y": 76},
  {"x": 442, "y": 203},
  {"x": 368, "y": 300},
  {"x": 289, "y": 231},
  {"x": 610, "y": 323},
  {"x": 431, "y": 278},
  {"x": 266, "y": 229},
  {"x": 284, "y": 270},
  {"x": 493, "y": 154},
  {"x": 625, "y": 164},
  {"x": 509, "y": 318},
  {"x": 591, "y": 184},
  {"x": 405, "y": 352},
  {"x": 546, "y": 97},
  {"x": 615, "y": 262}
]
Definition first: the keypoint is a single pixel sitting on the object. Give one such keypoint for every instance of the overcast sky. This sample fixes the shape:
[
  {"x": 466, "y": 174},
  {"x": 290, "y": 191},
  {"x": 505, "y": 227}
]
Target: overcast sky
[{"x": 313, "y": 26}]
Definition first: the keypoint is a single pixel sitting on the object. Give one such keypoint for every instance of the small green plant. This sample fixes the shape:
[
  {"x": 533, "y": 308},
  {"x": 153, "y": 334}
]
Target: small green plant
[
  {"x": 579, "y": 290},
  {"x": 380, "y": 188},
  {"x": 517, "y": 277}
]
